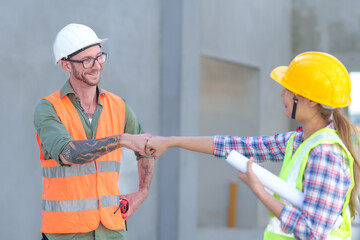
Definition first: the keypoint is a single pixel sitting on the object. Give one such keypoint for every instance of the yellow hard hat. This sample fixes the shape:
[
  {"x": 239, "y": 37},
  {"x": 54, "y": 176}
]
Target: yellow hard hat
[{"x": 317, "y": 76}]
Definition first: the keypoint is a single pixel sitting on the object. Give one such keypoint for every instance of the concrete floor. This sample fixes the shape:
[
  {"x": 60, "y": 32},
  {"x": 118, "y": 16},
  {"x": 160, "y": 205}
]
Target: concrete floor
[
  {"x": 229, "y": 234},
  {"x": 248, "y": 234}
]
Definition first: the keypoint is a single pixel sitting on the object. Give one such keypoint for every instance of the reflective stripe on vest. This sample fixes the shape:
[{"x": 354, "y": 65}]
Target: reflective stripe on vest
[
  {"x": 80, "y": 205},
  {"x": 78, "y": 170},
  {"x": 293, "y": 170},
  {"x": 80, "y": 196}
]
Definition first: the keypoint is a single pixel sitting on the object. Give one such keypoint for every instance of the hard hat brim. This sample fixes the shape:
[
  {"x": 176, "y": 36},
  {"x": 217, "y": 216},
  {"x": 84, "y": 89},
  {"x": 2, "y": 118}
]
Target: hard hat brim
[
  {"x": 278, "y": 73},
  {"x": 100, "y": 41}
]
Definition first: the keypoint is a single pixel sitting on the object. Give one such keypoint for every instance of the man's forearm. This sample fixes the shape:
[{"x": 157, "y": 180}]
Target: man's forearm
[
  {"x": 80, "y": 152},
  {"x": 146, "y": 170}
]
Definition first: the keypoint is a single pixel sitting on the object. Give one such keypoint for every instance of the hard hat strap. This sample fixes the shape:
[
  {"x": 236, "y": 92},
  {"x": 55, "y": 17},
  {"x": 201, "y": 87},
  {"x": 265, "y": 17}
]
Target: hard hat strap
[{"x": 294, "y": 107}]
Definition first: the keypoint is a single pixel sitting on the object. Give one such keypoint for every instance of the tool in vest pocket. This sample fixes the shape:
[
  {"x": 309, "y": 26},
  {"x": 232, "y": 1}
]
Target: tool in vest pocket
[{"x": 124, "y": 207}]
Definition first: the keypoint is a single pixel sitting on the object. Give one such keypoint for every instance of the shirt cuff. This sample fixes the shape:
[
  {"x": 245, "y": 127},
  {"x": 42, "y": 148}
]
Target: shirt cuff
[
  {"x": 138, "y": 156},
  {"x": 219, "y": 146},
  {"x": 289, "y": 216},
  {"x": 58, "y": 150}
]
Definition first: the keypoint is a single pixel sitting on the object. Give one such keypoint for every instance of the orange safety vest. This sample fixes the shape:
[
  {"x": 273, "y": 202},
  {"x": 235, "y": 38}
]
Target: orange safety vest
[{"x": 76, "y": 198}]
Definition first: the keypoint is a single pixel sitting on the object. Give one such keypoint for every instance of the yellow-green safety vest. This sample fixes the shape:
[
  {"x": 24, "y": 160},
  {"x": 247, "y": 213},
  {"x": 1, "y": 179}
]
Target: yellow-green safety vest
[{"x": 292, "y": 172}]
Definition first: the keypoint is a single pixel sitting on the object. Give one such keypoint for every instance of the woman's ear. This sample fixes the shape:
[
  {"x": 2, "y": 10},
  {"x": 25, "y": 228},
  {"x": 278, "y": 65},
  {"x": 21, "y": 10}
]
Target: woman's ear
[
  {"x": 307, "y": 101},
  {"x": 312, "y": 103}
]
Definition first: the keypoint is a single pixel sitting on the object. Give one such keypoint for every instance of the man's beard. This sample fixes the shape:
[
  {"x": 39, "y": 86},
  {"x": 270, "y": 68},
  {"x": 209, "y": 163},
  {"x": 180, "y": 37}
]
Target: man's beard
[{"x": 83, "y": 78}]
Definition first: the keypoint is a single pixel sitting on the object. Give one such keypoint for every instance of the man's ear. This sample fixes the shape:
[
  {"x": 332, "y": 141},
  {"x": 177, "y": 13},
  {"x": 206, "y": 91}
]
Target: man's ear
[{"x": 66, "y": 65}]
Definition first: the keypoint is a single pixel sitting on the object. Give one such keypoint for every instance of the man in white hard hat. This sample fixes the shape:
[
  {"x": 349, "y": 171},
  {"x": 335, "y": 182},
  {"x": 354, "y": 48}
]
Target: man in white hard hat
[{"x": 80, "y": 131}]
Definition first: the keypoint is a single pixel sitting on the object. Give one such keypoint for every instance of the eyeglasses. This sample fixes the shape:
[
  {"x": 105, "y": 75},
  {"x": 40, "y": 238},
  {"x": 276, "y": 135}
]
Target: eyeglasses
[{"x": 90, "y": 62}]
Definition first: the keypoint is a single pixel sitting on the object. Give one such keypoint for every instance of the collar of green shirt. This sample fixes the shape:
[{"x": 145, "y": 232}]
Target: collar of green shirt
[{"x": 67, "y": 89}]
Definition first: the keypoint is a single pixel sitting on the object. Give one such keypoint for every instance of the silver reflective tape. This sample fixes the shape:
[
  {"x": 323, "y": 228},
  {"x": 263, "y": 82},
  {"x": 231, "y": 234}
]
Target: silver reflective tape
[
  {"x": 110, "y": 200},
  {"x": 109, "y": 166},
  {"x": 70, "y": 205},
  {"x": 73, "y": 170},
  {"x": 292, "y": 177}
]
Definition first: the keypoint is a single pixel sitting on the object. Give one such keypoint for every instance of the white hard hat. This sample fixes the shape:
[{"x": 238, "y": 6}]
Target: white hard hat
[{"x": 74, "y": 38}]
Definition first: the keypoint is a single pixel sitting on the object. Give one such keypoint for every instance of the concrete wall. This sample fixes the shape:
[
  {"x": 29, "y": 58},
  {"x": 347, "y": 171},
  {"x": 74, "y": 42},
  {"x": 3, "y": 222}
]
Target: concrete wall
[
  {"x": 263, "y": 35},
  {"x": 249, "y": 33},
  {"x": 254, "y": 36},
  {"x": 28, "y": 73},
  {"x": 250, "y": 37},
  {"x": 229, "y": 106},
  {"x": 179, "y": 97},
  {"x": 330, "y": 26}
]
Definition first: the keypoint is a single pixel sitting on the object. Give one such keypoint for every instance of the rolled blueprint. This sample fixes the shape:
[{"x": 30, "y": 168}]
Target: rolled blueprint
[
  {"x": 273, "y": 182},
  {"x": 268, "y": 179}
]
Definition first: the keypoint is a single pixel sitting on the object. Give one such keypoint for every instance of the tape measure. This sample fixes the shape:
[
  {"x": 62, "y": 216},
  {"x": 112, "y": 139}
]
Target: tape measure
[{"x": 124, "y": 207}]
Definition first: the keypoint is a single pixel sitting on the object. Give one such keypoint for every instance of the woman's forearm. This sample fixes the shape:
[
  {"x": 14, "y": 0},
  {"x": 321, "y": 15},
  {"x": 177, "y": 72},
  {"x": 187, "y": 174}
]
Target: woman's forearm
[
  {"x": 197, "y": 144},
  {"x": 157, "y": 146}
]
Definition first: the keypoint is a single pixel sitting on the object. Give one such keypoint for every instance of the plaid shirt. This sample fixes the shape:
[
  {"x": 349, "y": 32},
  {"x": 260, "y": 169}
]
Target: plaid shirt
[{"x": 326, "y": 179}]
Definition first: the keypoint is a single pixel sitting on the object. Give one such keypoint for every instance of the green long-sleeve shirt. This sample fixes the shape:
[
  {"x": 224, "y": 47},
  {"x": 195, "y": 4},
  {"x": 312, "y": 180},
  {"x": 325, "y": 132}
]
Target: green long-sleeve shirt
[
  {"x": 54, "y": 137},
  {"x": 53, "y": 133}
]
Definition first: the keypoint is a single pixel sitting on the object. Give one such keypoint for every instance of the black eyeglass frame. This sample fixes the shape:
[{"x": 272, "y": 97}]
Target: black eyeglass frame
[{"x": 87, "y": 59}]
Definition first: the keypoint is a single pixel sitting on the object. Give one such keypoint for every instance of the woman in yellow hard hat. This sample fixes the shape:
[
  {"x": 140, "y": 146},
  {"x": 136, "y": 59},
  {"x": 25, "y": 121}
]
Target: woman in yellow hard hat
[{"x": 318, "y": 158}]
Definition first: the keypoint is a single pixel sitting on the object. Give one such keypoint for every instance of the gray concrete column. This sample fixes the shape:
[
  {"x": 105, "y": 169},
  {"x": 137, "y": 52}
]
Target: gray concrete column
[
  {"x": 177, "y": 204},
  {"x": 170, "y": 74}
]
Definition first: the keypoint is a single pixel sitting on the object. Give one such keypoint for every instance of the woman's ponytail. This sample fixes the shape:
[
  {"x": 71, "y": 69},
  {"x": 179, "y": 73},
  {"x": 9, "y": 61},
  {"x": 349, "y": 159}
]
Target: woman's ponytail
[{"x": 348, "y": 133}]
